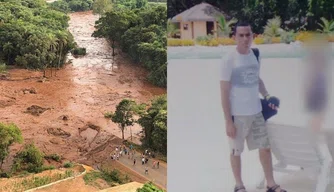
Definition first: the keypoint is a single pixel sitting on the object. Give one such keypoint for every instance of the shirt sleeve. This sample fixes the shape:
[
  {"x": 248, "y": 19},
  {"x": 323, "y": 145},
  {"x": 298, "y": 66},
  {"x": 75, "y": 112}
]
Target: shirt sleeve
[{"x": 226, "y": 68}]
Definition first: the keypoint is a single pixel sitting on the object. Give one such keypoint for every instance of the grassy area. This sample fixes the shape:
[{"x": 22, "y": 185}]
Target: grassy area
[
  {"x": 113, "y": 178},
  {"x": 36, "y": 181}
]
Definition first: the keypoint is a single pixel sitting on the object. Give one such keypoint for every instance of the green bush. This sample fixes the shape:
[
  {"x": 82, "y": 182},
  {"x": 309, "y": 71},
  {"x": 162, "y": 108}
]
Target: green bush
[
  {"x": 72, "y": 5},
  {"x": 5, "y": 175},
  {"x": 68, "y": 164},
  {"x": 51, "y": 167},
  {"x": 288, "y": 37},
  {"x": 108, "y": 115},
  {"x": 79, "y": 51},
  {"x": 54, "y": 157},
  {"x": 29, "y": 159},
  {"x": 3, "y": 68},
  {"x": 60, "y": 5}
]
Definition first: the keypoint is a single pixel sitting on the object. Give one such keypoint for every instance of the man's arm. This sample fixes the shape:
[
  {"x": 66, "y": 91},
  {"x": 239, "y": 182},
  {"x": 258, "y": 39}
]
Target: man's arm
[
  {"x": 225, "y": 88},
  {"x": 262, "y": 88}
]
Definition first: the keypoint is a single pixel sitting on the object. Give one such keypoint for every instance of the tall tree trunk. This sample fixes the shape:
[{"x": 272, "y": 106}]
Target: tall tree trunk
[
  {"x": 113, "y": 47},
  {"x": 122, "y": 132}
]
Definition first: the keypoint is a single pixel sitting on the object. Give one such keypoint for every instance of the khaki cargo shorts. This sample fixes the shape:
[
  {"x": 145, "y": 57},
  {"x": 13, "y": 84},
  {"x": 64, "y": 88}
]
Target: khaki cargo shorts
[{"x": 252, "y": 129}]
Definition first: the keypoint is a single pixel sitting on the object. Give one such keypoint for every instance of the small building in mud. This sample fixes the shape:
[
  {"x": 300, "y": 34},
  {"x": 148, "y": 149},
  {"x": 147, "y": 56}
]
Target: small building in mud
[{"x": 198, "y": 21}]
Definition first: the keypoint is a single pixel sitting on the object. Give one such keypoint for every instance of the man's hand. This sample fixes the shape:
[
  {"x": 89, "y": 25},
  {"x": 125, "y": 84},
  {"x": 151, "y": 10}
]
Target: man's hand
[
  {"x": 273, "y": 102},
  {"x": 230, "y": 129}
]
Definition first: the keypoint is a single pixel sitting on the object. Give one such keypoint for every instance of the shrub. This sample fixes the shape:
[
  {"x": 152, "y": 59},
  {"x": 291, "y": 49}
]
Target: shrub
[
  {"x": 68, "y": 164},
  {"x": 259, "y": 40},
  {"x": 5, "y": 175},
  {"x": 180, "y": 42},
  {"x": 3, "y": 68},
  {"x": 29, "y": 159},
  {"x": 107, "y": 115},
  {"x": 226, "y": 41},
  {"x": 54, "y": 157},
  {"x": 79, "y": 51},
  {"x": 275, "y": 40},
  {"x": 303, "y": 36},
  {"x": 288, "y": 37}
]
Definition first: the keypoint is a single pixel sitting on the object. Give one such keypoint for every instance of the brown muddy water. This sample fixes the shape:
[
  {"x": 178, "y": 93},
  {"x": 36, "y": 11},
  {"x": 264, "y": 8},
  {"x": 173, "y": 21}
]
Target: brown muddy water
[{"x": 50, "y": 112}]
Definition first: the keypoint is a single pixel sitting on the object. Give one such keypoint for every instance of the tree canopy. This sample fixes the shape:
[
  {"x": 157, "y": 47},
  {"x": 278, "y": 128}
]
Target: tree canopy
[
  {"x": 32, "y": 35},
  {"x": 142, "y": 34}
]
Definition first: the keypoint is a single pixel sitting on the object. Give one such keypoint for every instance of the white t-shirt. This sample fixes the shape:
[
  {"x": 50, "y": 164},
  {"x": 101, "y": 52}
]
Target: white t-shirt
[{"x": 242, "y": 71}]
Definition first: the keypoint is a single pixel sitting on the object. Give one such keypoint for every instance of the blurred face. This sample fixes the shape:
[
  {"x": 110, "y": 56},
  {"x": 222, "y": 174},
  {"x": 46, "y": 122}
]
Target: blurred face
[{"x": 244, "y": 37}]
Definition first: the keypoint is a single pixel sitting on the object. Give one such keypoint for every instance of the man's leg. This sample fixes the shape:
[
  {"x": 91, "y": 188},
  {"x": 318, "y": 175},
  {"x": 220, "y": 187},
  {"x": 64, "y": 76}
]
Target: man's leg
[
  {"x": 236, "y": 168},
  {"x": 237, "y": 147},
  {"x": 259, "y": 139},
  {"x": 266, "y": 162}
]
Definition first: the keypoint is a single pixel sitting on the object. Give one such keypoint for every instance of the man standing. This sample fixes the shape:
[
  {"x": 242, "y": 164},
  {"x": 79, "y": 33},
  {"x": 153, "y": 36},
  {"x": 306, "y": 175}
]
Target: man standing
[{"x": 240, "y": 86}]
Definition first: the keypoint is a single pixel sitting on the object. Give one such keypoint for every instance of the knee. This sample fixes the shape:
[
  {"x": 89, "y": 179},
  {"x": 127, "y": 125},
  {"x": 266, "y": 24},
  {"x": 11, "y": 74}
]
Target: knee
[
  {"x": 265, "y": 150},
  {"x": 236, "y": 152}
]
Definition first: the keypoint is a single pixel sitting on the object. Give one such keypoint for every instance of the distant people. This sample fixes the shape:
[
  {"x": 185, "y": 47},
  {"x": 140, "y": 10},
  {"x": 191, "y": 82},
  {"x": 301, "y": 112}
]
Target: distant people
[
  {"x": 143, "y": 161},
  {"x": 158, "y": 164},
  {"x": 146, "y": 170},
  {"x": 154, "y": 164},
  {"x": 134, "y": 162}
]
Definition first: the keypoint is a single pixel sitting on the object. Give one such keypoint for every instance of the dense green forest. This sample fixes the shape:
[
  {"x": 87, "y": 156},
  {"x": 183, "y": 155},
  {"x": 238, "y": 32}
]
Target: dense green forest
[
  {"x": 295, "y": 14},
  {"x": 140, "y": 31},
  {"x": 32, "y": 35}
]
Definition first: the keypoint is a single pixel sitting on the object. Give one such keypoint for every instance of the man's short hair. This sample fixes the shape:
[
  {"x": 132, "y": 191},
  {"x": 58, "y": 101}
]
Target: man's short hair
[{"x": 241, "y": 24}]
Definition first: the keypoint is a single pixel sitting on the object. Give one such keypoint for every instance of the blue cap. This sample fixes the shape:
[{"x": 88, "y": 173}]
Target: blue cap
[{"x": 267, "y": 111}]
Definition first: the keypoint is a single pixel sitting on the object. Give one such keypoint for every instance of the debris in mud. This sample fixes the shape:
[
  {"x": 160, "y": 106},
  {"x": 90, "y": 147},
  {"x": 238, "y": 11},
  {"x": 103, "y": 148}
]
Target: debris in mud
[
  {"x": 64, "y": 117},
  {"x": 91, "y": 126},
  {"x": 6, "y": 103},
  {"x": 123, "y": 79},
  {"x": 42, "y": 80},
  {"x": 56, "y": 141},
  {"x": 58, "y": 132},
  {"x": 4, "y": 77},
  {"x": 36, "y": 110},
  {"x": 31, "y": 91}
]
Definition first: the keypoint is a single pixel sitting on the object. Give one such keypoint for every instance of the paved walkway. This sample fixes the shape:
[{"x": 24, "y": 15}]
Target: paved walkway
[{"x": 157, "y": 176}]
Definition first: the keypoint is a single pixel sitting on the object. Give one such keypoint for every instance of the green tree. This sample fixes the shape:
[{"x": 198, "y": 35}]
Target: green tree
[
  {"x": 29, "y": 34},
  {"x": 30, "y": 158},
  {"x": 113, "y": 25},
  {"x": 102, "y": 6},
  {"x": 124, "y": 114},
  {"x": 9, "y": 134},
  {"x": 149, "y": 187},
  {"x": 225, "y": 26},
  {"x": 154, "y": 123},
  {"x": 172, "y": 29}
]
